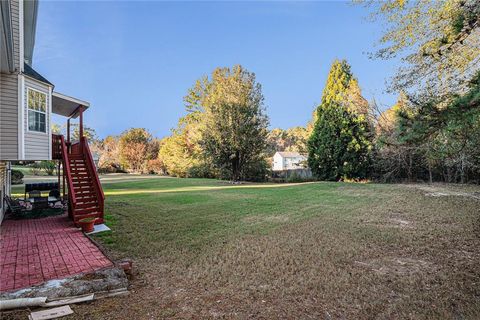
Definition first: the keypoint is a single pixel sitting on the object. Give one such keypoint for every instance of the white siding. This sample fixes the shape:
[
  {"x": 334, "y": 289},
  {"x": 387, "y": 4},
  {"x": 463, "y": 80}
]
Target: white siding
[
  {"x": 37, "y": 144},
  {"x": 8, "y": 116},
  {"x": 277, "y": 162},
  {"x": 283, "y": 162},
  {"x": 9, "y": 95}
]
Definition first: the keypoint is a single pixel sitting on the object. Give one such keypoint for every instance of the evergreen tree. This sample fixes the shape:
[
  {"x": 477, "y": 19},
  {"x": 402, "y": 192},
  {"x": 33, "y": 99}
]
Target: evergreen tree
[{"x": 339, "y": 146}]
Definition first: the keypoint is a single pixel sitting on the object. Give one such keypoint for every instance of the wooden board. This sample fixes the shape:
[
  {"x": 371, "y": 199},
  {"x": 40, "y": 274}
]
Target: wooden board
[{"x": 51, "y": 313}]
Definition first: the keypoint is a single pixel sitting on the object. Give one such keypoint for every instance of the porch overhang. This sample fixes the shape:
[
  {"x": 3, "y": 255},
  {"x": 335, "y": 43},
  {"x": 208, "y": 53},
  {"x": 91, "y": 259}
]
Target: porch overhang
[{"x": 67, "y": 106}]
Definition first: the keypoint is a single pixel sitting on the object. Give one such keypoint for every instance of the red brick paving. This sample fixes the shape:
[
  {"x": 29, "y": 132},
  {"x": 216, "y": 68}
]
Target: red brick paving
[{"x": 37, "y": 250}]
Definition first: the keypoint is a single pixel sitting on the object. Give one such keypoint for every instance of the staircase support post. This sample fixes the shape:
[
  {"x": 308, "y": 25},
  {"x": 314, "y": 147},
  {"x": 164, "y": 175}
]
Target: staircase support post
[
  {"x": 80, "y": 129},
  {"x": 68, "y": 131}
]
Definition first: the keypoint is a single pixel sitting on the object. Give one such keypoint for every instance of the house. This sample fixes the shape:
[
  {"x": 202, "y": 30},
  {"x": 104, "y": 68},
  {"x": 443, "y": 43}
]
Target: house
[
  {"x": 27, "y": 102},
  {"x": 288, "y": 161}
]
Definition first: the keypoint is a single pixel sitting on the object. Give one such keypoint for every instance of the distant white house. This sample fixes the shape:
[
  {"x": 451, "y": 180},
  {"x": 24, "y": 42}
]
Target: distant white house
[{"x": 288, "y": 161}]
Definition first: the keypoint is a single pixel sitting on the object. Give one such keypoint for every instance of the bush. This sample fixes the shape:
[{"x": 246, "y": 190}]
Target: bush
[
  {"x": 48, "y": 167},
  {"x": 156, "y": 166},
  {"x": 35, "y": 169},
  {"x": 110, "y": 168},
  {"x": 201, "y": 171},
  {"x": 256, "y": 171},
  {"x": 17, "y": 177}
]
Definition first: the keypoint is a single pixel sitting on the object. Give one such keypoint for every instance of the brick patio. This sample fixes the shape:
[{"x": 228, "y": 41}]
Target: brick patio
[{"x": 34, "y": 251}]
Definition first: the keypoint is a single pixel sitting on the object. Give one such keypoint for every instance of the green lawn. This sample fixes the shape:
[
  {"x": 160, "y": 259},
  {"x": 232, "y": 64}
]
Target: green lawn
[
  {"x": 208, "y": 249},
  {"x": 193, "y": 214}
]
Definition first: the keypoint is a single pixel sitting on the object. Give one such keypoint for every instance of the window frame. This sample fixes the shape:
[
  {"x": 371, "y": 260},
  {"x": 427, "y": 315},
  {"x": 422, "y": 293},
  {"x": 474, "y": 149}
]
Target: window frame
[{"x": 37, "y": 111}]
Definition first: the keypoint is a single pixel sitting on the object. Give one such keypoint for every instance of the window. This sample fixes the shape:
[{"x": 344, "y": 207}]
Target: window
[{"x": 37, "y": 111}]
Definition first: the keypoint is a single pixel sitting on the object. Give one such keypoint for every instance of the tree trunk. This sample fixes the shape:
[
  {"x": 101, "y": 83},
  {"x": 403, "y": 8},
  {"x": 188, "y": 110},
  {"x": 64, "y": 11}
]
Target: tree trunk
[
  {"x": 236, "y": 167},
  {"x": 430, "y": 172}
]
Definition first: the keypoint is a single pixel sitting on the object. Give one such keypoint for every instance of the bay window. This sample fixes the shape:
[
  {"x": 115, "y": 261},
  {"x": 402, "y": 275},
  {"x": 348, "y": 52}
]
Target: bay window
[{"x": 37, "y": 110}]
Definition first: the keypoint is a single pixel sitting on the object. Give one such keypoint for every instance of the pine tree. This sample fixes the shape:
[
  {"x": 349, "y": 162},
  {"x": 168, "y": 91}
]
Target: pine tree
[{"x": 339, "y": 146}]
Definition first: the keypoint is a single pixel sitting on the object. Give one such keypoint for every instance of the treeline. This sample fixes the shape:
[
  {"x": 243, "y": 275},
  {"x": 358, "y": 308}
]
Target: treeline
[
  {"x": 431, "y": 140},
  {"x": 224, "y": 135},
  {"x": 432, "y": 133}
]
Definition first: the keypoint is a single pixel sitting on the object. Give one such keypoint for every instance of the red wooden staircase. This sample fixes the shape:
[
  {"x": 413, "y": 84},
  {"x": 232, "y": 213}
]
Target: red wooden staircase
[{"x": 85, "y": 193}]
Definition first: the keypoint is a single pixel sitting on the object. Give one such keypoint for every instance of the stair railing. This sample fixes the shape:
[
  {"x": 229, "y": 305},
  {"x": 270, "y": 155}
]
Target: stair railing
[
  {"x": 72, "y": 201},
  {"x": 93, "y": 173}
]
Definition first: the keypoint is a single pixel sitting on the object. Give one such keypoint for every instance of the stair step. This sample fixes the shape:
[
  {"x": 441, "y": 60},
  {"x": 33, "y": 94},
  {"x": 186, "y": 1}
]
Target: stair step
[
  {"x": 83, "y": 189},
  {"x": 78, "y": 167},
  {"x": 83, "y": 216},
  {"x": 86, "y": 198},
  {"x": 82, "y": 202},
  {"x": 78, "y": 184},
  {"x": 87, "y": 206},
  {"x": 87, "y": 210},
  {"x": 82, "y": 180},
  {"x": 79, "y": 172},
  {"x": 77, "y": 163},
  {"x": 86, "y": 193},
  {"x": 81, "y": 177}
]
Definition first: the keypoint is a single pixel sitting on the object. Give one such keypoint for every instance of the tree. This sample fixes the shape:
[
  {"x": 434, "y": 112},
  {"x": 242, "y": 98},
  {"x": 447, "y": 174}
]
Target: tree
[
  {"x": 339, "y": 146},
  {"x": 292, "y": 139},
  {"x": 234, "y": 123},
  {"x": 136, "y": 147},
  {"x": 56, "y": 128},
  {"x": 437, "y": 41},
  {"x": 181, "y": 151},
  {"x": 109, "y": 153},
  {"x": 88, "y": 133},
  {"x": 336, "y": 89},
  {"x": 450, "y": 134},
  {"x": 396, "y": 159},
  {"x": 48, "y": 166}
]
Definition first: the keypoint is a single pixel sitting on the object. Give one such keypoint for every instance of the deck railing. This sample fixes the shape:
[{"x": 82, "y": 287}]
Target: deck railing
[
  {"x": 93, "y": 173},
  {"x": 56, "y": 146},
  {"x": 60, "y": 152}
]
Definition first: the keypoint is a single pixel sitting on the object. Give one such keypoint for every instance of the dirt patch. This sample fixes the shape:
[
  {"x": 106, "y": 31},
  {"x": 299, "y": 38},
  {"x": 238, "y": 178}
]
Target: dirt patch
[
  {"x": 266, "y": 219},
  {"x": 396, "y": 265},
  {"x": 445, "y": 190},
  {"x": 393, "y": 220}
]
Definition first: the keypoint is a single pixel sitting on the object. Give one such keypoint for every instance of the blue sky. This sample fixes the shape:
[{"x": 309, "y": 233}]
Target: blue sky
[{"x": 134, "y": 61}]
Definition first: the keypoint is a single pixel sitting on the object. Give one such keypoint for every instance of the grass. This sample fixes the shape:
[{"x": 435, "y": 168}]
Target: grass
[
  {"x": 191, "y": 214},
  {"x": 208, "y": 249}
]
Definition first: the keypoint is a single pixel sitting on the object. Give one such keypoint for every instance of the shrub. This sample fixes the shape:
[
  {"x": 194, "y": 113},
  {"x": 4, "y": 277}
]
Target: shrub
[
  {"x": 35, "y": 169},
  {"x": 156, "y": 166},
  {"x": 201, "y": 171},
  {"x": 110, "y": 168},
  {"x": 17, "y": 177},
  {"x": 48, "y": 167}
]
